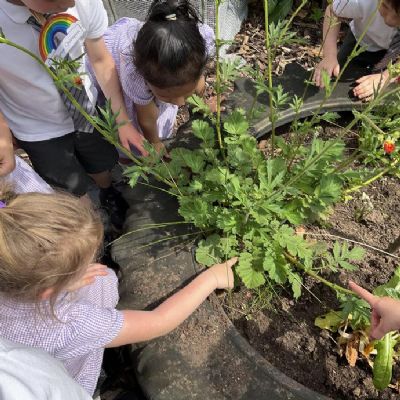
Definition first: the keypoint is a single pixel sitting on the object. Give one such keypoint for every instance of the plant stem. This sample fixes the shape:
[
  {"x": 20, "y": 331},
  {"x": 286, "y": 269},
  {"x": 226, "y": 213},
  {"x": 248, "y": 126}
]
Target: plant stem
[
  {"x": 314, "y": 275},
  {"x": 72, "y": 99},
  {"x": 218, "y": 75},
  {"x": 270, "y": 82},
  {"x": 373, "y": 179}
]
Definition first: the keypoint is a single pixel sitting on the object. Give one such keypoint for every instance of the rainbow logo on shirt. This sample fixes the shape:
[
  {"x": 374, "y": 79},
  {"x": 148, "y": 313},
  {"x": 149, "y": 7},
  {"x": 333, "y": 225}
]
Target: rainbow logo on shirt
[{"x": 53, "y": 31}]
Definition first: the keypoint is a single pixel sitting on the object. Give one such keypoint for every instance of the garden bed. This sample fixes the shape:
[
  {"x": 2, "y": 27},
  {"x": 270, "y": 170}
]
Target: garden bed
[{"x": 283, "y": 329}]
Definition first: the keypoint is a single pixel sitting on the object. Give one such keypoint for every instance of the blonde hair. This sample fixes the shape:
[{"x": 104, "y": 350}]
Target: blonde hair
[{"x": 46, "y": 240}]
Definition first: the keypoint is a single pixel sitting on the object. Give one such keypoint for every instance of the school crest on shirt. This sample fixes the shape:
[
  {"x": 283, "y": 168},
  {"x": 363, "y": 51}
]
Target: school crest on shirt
[{"x": 58, "y": 37}]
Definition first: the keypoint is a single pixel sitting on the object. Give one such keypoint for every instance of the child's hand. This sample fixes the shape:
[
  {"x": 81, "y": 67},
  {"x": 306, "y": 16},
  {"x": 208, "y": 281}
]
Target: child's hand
[
  {"x": 223, "y": 273},
  {"x": 89, "y": 276},
  {"x": 385, "y": 315},
  {"x": 328, "y": 64},
  {"x": 128, "y": 136},
  {"x": 368, "y": 84}
]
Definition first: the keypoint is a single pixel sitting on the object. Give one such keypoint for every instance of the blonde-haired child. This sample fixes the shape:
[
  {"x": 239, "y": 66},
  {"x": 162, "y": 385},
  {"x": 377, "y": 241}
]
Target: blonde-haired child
[{"x": 54, "y": 296}]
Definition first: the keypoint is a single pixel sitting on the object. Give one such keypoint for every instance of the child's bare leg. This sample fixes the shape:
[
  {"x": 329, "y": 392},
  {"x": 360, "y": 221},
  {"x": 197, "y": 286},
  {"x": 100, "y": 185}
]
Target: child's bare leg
[{"x": 102, "y": 179}]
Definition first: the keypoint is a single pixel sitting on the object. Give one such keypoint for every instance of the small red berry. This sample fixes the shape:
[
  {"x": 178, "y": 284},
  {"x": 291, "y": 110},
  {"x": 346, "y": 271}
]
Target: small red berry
[
  {"x": 77, "y": 80},
  {"x": 388, "y": 146}
]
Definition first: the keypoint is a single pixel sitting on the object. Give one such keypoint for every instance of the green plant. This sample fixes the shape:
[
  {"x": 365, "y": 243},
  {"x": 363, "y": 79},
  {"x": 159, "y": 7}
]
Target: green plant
[
  {"x": 352, "y": 321},
  {"x": 279, "y": 9},
  {"x": 317, "y": 14},
  {"x": 248, "y": 202}
]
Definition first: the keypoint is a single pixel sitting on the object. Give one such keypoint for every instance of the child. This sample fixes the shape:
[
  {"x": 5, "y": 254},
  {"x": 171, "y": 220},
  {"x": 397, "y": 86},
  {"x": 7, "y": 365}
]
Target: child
[
  {"x": 32, "y": 374},
  {"x": 377, "y": 39},
  {"x": 385, "y": 315},
  {"x": 160, "y": 63},
  {"x": 54, "y": 298},
  {"x": 62, "y": 146}
]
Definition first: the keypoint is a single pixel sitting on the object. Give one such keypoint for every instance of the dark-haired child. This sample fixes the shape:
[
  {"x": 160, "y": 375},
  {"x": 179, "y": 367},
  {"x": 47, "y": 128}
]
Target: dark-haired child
[
  {"x": 379, "y": 34},
  {"x": 160, "y": 63}
]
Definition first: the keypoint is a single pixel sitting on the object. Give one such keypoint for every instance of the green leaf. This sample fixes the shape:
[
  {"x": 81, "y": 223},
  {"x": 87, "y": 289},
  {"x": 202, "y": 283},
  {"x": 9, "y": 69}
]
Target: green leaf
[
  {"x": 236, "y": 123},
  {"x": 330, "y": 321},
  {"x": 281, "y": 10},
  {"x": 250, "y": 277},
  {"x": 198, "y": 104},
  {"x": 194, "y": 159},
  {"x": 357, "y": 309},
  {"x": 356, "y": 253},
  {"x": 208, "y": 251},
  {"x": 296, "y": 282},
  {"x": 383, "y": 363},
  {"x": 391, "y": 288},
  {"x": 194, "y": 209},
  {"x": 276, "y": 268},
  {"x": 203, "y": 130},
  {"x": 329, "y": 190}
]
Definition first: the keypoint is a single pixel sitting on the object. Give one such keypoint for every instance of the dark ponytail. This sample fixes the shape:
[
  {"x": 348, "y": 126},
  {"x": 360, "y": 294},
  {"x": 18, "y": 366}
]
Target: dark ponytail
[{"x": 169, "y": 49}]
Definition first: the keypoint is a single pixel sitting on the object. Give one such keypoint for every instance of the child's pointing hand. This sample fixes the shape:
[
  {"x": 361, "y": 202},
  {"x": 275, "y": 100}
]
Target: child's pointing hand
[{"x": 385, "y": 314}]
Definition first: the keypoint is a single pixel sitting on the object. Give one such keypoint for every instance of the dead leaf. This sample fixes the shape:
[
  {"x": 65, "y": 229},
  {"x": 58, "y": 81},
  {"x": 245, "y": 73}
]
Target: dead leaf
[{"x": 351, "y": 353}]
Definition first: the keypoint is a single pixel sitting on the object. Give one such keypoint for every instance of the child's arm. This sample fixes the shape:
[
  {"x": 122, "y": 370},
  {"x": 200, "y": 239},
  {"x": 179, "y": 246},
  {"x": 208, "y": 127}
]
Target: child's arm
[
  {"x": 329, "y": 63},
  {"x": 7, "y": 159},
  {"x": 104, "y": 68},
  {"x": 139, "y": 326},
  {"x": 385, "y": 315},
  {"x": 147, "y": 118}
]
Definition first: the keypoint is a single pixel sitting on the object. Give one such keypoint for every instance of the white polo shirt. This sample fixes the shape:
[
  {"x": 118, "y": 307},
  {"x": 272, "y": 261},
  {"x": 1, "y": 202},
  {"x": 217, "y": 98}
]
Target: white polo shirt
[
  {"x": 379, "y": 35},
  {"x": 28, "y": 373},
  {"x": 29, "y": 99}
]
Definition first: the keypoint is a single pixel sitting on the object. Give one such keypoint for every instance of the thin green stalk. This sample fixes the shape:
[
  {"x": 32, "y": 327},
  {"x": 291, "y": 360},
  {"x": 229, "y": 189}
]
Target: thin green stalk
[
  {"x": 314, "y": 275},
  {"x": 218, "y": 75},
  {"x": 158, "y": 188},
  {"x": 88, "y": 117},
  {"x": 147, "y": 227},
  {"x": 272, "y": 110},
  {"x": 343, "y": 132},
  {"x": 342, "y": 70},
  {"x": 373, "y": 179}
]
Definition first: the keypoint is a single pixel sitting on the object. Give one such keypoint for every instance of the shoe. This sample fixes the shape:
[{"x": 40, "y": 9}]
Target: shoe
[{"x": 115, "y": 205}]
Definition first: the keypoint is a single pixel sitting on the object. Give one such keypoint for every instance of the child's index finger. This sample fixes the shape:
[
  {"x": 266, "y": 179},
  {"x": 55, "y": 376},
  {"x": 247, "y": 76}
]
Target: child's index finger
[
  {"x": 363, "y": 293},
  {"x": 231, "y": 262}
]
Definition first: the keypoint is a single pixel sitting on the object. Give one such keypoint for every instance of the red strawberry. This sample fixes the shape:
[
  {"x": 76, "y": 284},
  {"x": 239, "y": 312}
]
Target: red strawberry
[
  {"x": 77, "y": 80},
  {"x": 389, "y": 146}
]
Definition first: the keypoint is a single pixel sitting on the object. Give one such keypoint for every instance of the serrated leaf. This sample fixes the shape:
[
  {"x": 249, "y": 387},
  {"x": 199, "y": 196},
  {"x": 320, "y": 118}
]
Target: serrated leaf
[
  {"x": 276, "y": 268},
  {"x": 391, "y": 287},
  {"x": 347, "y": 266},
  {"x": 198, "y": 104},
  {"x": 356, "y": 253},
  {"x": 194, "y": 209},
  {"x": 203, "y": 130},
  {"x": 296, "y": 282},
  {"x": 193, "y": 159},
  {"x": 250, "y": 277},
  {"x": 236, "y": 123},
  {"x": 208, "y": 251}
]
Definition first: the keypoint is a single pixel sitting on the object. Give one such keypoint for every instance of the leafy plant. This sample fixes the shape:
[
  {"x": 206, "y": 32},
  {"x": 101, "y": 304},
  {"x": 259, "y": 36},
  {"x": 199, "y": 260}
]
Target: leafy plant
[
  {"x": 354, "y": 317},
  {"x": 249, "y": 202},
  {"x": 279, "y": 9},
  {"x": 317, "y": 14}
]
